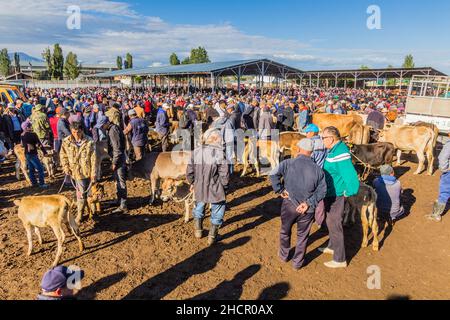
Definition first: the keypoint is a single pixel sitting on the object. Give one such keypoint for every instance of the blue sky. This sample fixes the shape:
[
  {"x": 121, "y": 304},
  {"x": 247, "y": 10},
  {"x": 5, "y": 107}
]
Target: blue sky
[{"x": 320, "y": 34}]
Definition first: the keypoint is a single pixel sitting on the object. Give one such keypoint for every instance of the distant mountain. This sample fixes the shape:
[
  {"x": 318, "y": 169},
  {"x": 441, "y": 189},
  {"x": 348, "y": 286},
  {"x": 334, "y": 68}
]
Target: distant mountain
[{"x": 25, "y": 57}]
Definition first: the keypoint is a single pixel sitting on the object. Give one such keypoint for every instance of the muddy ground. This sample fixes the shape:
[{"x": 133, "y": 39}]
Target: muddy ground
[{"x": 151, "y": 254}]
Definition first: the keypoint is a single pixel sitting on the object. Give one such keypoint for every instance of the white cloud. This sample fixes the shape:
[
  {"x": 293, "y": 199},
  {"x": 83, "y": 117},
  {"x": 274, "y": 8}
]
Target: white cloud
[{"x": 112, "y": 28}]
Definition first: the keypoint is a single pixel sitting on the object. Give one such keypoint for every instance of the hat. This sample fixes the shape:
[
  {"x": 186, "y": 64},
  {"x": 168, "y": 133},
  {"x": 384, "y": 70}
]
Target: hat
[
  {"x": 38, "y": 107},
  {"x": 307, "y": 145},
  {"x": 57, "y": 278},
  {"x": 190, "y": 106},
  {"x": 26, "y": 125},
  {"x": 165, "y": 106},
  {"x": 312, "y": 128},
  {"x": 101, "y": 121},
  {"x": 386, "y": 170},
  {"x": 132, "y": 113}
]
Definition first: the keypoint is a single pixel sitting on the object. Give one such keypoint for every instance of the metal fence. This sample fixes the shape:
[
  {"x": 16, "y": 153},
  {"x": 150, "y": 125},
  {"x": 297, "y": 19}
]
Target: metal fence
[{"x": 71, "y": 84}]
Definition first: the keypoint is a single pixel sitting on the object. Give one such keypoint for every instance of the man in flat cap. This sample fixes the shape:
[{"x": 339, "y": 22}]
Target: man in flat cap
[{"x": 302, "y": 185}]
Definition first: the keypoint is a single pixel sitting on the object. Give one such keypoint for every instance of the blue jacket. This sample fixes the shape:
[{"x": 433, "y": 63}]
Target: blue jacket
[
  {"x": 303, "y": 180},
  {"x": 63, "y": 129},
  {"x": 320, "y": 153},
  {"x": 139, "y": 129},
  {"x": 162, "y": 123}
]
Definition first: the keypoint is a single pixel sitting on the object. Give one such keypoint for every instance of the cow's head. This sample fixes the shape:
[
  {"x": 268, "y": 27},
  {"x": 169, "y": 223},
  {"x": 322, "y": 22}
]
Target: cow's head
[
  {"x": 172, "y": 189},
  {"x": 381, "y": 135}
]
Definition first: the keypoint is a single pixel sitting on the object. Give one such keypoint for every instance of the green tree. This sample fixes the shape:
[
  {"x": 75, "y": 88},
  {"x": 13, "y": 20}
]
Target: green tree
[
  {"x": 119, "y": 62},
  {"x": 390, "y": 66},
  {"x": 174, "y": 61},
  {"x": 364, "y": 67},
  {"x": 71, "y": 66},
  {"x": 199, "y": 55},
  {"x": 129, "y": 61},
  {"x": 409, "y": 62},
  {"x": 57, "y": 62},
  {"x": 186, "y": 61},
  {"x": 5, "y": 62},
  {"x": 47, "y": 56},
  {"x": 17, "y": 62}
]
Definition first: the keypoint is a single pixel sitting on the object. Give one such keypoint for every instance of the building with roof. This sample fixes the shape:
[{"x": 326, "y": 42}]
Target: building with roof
[{"x": 210, "y": 74}]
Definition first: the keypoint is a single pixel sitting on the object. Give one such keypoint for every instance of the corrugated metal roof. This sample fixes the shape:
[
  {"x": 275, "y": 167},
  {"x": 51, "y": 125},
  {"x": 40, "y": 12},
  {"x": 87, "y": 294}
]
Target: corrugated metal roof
[{"x": 181, "y": 69}]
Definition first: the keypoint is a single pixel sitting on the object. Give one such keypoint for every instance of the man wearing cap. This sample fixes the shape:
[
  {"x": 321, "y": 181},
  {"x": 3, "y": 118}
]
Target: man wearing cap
[
  {"x": 444, "y": 188},
  {"x": 342, "y": 182},
  {"x": 389, "y": 191},
  {"x": 12, "y": 121},
  {"x": 58, "y": 284},
  {"x": 302, "y": 185},
  {"x": 31, "y": 143},
  {"x": 116, "y": 141},
  {"x": 304, "y": 117},
  {"x": 376, "y": 120},
  {"x": 79, "y": 160},
  {"x": 223, "y": 123},
  {"x": 114, "y": 115},
  {"x": 288, "y": 117},
  {"x": 162, "y": 126},
  {"x": 320, "y": 153},
  {"x": 138, "y": 129}
]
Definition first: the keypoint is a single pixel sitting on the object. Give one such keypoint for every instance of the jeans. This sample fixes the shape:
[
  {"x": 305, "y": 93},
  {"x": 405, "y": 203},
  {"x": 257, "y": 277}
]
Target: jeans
[
  {"x": 33, "y": 164},
  {"x": 217, "y": 212},
  {"x": 120, "y": 176},
  {"x": 444, "y": 188}
]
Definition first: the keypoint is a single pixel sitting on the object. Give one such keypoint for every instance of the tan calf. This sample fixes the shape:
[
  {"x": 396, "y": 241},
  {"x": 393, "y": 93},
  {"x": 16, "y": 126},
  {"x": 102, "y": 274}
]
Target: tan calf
[
  {"x": 267, "y": 149},
  {"x": 44, "y": 212}
]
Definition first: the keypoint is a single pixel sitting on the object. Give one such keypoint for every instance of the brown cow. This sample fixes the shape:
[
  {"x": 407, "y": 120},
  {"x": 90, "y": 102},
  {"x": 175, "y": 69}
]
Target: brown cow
[
  {"x": 160, "y": 166},
  {"x": 430, "y": 126},
  {"x": 288, "y": 141},
  {"x": 360, "y": 134},
  {"x": 47, "y": 211},
  {"x": 267, "y": 149},
  {"x": 344, "y": 123},
  {"x": 409, "y": 138},
  {"x": 178, "y": 191}
]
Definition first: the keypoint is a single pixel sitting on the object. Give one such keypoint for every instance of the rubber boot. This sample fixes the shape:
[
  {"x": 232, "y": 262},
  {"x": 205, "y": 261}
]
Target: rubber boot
[
  {"x": 438, "y": 211},
  {"x": 198, "y": 227},
  {"x": 213, "y": 232}
]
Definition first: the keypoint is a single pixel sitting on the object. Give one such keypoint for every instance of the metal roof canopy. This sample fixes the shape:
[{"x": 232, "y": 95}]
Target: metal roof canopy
[
  {"x": 231, "y": 68},
  {"x": 373, "y": 73}
]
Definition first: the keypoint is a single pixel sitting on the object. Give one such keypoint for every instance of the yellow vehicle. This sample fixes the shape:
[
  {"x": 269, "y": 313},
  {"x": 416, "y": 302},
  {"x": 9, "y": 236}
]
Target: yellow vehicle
[{"x": 9, "y": 94}]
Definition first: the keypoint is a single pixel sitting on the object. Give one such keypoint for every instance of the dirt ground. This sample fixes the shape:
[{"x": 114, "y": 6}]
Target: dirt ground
[{"x": 151, "y": 254}]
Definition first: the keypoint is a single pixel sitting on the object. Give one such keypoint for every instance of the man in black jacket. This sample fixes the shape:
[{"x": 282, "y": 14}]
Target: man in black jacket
[
  {"x": 302, "y": 185},
  {"x": 116, "y": 142}
]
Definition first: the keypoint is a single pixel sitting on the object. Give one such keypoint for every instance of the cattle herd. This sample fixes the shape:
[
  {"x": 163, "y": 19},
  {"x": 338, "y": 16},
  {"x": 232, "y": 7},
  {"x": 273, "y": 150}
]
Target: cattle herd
[{"x": 166, "y": 171}]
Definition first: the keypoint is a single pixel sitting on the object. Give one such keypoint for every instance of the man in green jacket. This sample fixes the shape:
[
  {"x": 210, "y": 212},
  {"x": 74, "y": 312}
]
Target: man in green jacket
[
  {"x": 342, "y": 182},
  {"x": 41, "y": 125}
]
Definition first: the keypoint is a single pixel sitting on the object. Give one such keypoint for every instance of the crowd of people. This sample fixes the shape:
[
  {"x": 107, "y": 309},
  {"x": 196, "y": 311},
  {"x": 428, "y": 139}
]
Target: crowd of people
[{"x": 71, "y": 122}]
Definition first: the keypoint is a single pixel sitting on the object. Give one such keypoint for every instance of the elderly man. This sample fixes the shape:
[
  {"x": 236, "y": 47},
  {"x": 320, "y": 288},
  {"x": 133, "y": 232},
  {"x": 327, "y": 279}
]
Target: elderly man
[
  {"x": 389, "y": 191},
  {"x": 444, "y": 188},
  {"x": 57, "y": 284},
  {"x": 138, "y": 129},
  {"x": 320, "y": 153},
  {"x": 78, "y": 160},
  {"x": 224, "y": 124},
  {"x": 342, "y": 182},
  {"x": 301, "y": 197},
  {"x": 208, "y": 174}
]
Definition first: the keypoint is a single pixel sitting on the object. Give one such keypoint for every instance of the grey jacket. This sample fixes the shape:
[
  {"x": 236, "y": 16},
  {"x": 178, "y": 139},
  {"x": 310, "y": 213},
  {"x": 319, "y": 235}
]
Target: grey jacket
[
  {"x": 208, "y": 172},
  {"x": 444, "y": 158},
  {"x": 266, "y": 124}
]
